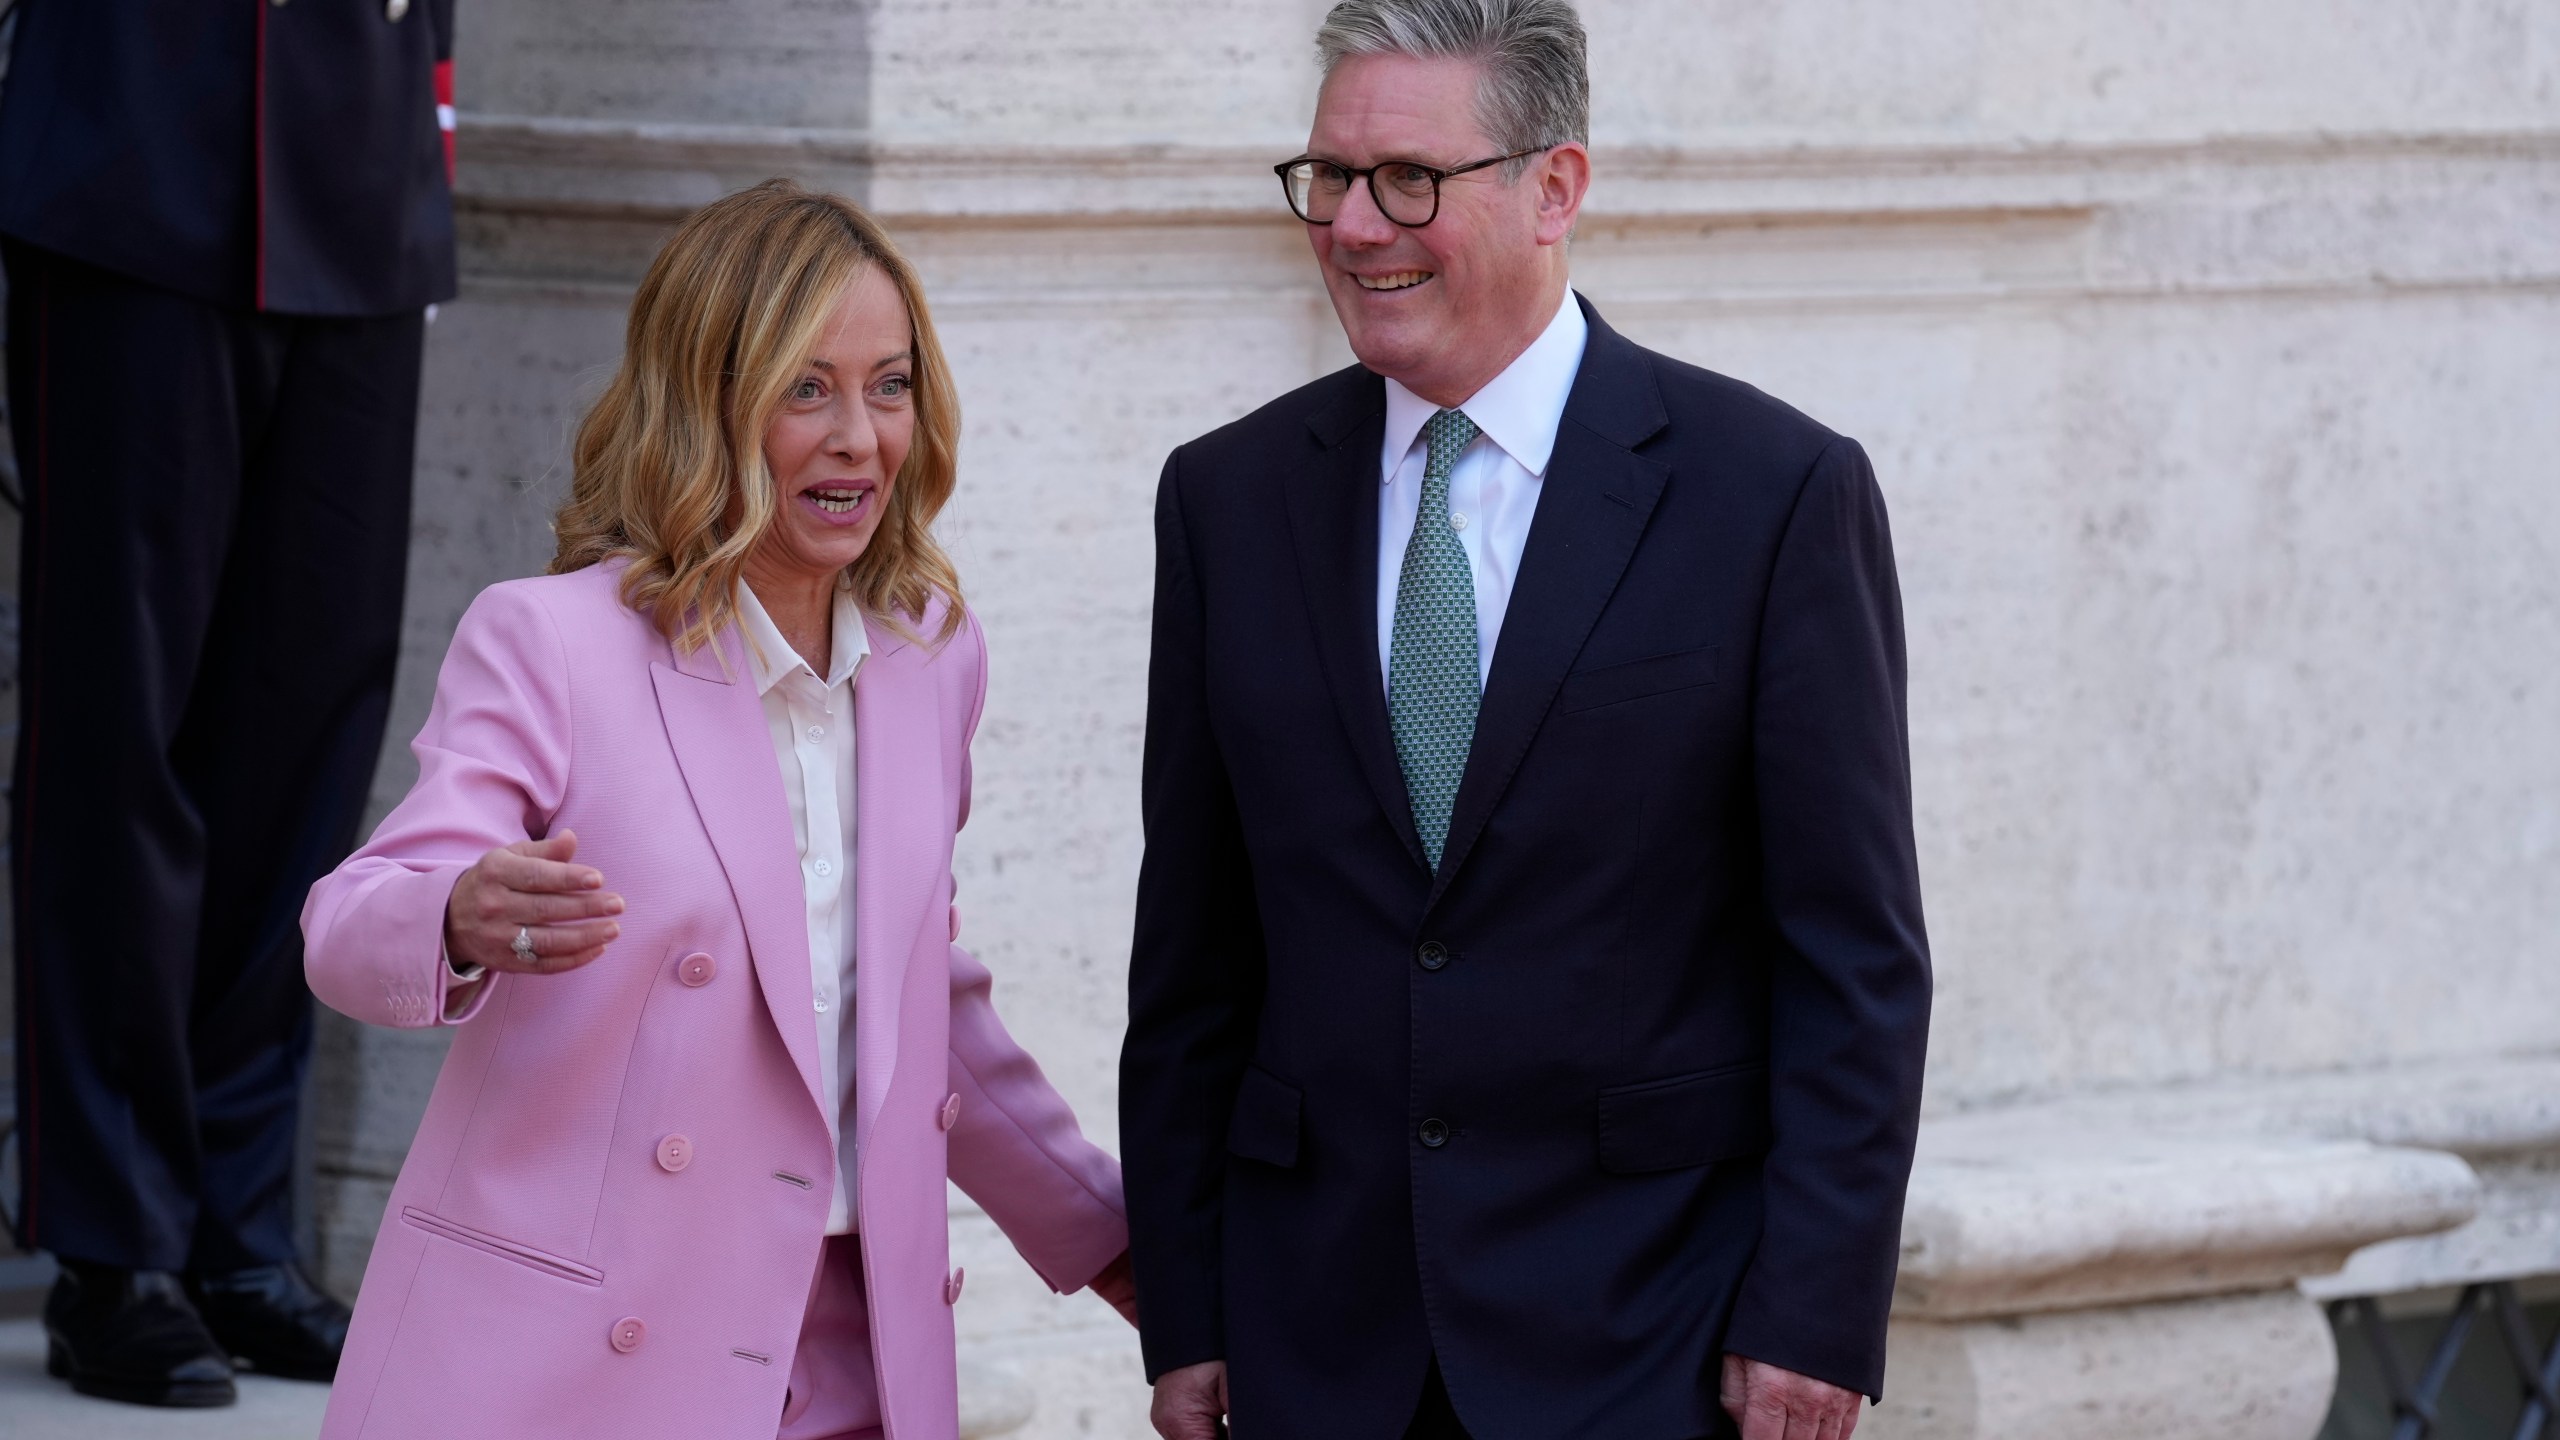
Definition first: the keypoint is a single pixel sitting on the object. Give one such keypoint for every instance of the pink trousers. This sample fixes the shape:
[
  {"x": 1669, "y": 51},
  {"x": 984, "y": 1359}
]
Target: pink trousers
[{"x": 834, "y": 1394}]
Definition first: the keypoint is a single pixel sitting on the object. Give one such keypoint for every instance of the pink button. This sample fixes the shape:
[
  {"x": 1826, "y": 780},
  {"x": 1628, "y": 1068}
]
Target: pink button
[
  {"x": 674, "y": 1153},
  {"x": 950, "y": 1288},
  {"x": 697, "y": 969},
  {"x": 950, "y": 1112},
  {"x": 628, "y": 1332}
]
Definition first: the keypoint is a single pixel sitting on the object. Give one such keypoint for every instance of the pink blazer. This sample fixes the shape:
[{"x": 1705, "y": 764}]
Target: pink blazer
[{"x": 612, "y": 1214}]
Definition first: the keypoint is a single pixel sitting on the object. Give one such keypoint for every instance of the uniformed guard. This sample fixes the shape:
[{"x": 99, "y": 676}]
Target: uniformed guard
[{"x": 223, "y": 222}]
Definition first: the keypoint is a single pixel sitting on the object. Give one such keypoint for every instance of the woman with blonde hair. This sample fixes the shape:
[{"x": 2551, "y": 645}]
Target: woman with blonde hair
[{"x": 677, "y": 870}]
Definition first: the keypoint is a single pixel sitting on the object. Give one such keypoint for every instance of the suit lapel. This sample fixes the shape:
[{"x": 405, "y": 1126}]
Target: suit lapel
[
  {"x": 1592, "y": 509},
  {"x": 717, "y": 728},
  {"x": 903, "y": 822},
  {"x": 1333, "y": 521}
]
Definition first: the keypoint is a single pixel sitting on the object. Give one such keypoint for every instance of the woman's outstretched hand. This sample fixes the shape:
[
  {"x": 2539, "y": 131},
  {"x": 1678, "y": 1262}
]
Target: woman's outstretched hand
[
  {"x": 1118, "y": 1286},
  {"x": 530, "y": 885}
]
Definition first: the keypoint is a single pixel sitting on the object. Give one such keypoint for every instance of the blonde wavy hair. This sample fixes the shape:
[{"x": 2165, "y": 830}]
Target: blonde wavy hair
[{"x": 669, "y": 467}]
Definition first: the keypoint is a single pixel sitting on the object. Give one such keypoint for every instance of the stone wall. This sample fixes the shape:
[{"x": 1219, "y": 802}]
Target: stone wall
[{"x": 2206, "y": 354}]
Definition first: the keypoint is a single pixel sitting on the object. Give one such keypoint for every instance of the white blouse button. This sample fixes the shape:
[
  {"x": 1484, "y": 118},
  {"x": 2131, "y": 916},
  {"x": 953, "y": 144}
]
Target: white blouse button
[
  {"x": 817, "y": 732},
  {"x": 824, "y": 868}
]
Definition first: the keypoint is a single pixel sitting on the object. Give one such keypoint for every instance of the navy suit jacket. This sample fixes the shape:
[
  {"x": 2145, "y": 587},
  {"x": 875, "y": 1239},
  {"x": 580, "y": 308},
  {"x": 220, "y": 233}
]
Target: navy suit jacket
[
  {"x": 284, "y": 156},
  {"x": 1632, "y": 1080}
]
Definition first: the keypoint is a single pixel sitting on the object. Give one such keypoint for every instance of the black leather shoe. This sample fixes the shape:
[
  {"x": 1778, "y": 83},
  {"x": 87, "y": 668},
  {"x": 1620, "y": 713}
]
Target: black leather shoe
[
  {"x": 130, "y": 1335},
  {"x": 273, "y": 1320}
]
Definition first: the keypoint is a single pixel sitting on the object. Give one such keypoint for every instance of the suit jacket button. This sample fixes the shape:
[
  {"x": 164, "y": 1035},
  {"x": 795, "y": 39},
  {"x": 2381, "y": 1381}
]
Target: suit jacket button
[
  {"x": 1435, "y": 1132},
  {"x": 950, "y": 1112},
  {"x": 674, "y": 1153},
  {"x": 951, "y": 1287},
  {"x": 394, "y": 9},
  {"x": 697, "y": 969},
  {"x": 1432, "y": 955},
  {"x": 628, "y": 1332}
]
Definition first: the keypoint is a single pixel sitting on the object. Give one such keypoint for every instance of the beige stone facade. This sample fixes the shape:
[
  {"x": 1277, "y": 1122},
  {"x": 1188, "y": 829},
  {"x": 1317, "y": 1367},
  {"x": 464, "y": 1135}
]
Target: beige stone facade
[{"x": 2210, "y": 358}]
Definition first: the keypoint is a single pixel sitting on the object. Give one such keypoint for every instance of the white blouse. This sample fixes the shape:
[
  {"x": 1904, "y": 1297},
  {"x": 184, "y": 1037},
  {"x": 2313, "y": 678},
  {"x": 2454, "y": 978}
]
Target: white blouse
[{"x": 811, "y": 721}]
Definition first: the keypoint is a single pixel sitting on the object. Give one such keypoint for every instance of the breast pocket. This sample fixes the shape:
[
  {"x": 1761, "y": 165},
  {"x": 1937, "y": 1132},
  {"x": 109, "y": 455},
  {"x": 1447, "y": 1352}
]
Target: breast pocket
[{"x": 1638, "y": 679}]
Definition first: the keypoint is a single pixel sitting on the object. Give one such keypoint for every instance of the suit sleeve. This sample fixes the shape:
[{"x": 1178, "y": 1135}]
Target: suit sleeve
[
  {"x": 1018, "y": 1151},
  {"x": 1016, "y": 1148},
  {"x": 493, "y": 765},
  {"x": 1849, "y": 993},
  {"x": 1195, "y": 977}
]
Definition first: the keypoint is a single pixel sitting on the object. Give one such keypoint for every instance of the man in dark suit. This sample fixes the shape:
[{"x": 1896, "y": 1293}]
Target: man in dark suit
[
  {"x": 1529, "y": 990},
  {"x": 222, "y": 225}
]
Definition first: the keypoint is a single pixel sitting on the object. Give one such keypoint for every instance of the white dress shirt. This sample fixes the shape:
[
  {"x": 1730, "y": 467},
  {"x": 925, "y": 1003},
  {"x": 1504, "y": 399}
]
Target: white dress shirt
[
  {"x": 811, "y": 721},
  {"x": 1493, "y": 491}
]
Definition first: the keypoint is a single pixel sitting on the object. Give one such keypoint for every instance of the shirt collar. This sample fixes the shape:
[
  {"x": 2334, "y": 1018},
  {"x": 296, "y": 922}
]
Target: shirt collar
[
  {"x": 770, "y": 656},
  {"x": 1518, "y": 410}
]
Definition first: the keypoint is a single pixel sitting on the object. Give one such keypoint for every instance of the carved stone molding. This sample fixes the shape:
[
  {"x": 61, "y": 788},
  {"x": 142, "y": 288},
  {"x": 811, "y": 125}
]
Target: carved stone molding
[{"x": 1753, "y": 224}]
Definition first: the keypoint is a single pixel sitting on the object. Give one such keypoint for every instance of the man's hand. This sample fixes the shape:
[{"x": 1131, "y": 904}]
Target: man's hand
[
  {"x": 1118, "y": 1286},
  {"x": 1767, "y": 1402},
  {"x": 1191, "y": 1401}
]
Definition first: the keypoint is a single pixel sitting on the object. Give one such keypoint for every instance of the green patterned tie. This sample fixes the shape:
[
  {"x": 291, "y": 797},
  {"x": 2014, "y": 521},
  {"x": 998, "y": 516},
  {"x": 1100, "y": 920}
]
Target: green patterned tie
[{"x": 1432, "y": 676}]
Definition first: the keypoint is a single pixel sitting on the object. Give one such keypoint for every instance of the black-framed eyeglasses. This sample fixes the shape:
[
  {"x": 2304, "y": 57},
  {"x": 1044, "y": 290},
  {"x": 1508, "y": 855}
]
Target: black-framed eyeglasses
[{"x": 1407, "y": 191}]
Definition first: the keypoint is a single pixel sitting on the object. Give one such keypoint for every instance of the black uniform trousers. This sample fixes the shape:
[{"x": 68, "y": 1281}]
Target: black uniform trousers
[{"x": 215, "y": 545}]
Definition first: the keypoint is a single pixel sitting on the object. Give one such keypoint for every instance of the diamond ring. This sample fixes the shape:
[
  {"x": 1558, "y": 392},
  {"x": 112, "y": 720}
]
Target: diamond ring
[{"x": 523, "y": 944}]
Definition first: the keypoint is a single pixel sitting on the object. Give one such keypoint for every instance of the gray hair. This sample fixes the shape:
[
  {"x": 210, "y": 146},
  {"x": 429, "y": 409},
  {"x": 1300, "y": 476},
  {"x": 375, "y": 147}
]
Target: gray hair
[{"x": 1536, "y": 90}]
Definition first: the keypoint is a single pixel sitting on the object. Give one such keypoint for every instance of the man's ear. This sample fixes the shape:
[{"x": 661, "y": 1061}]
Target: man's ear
[{"x": 1563, "y": 178}]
